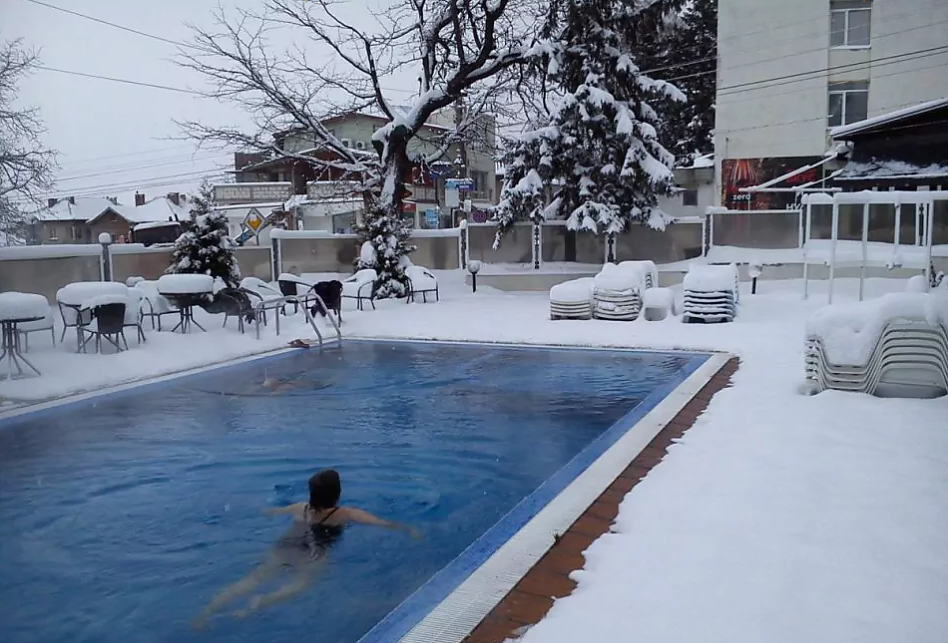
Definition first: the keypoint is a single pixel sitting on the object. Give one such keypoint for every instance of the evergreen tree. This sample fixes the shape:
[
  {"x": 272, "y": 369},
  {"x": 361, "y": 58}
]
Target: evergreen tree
[
  {"x": 389, "y": 235},
  {"x": 599, "y": 152},
  {"x": 688, "y": 130},
  {"x": 205, "y": 247}
]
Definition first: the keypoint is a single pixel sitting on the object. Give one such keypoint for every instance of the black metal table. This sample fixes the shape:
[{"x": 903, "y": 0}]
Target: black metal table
[
  {"x": 186, "y": 303},
  {"x": 10, "y": 345}
]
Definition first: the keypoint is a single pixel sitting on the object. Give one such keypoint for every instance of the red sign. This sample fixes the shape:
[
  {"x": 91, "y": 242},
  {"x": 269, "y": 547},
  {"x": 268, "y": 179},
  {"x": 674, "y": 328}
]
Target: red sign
[{"x": 409, "y": 207}]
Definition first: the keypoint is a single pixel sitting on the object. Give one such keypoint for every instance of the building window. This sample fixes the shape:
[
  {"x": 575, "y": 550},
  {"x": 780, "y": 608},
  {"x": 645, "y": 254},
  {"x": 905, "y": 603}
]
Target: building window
[
  {"x": 849, "y": 23},
  {"x": 53, "y": 234},
  {"x": 848, "y": 103},
  {"x": 689, "y": 197}
]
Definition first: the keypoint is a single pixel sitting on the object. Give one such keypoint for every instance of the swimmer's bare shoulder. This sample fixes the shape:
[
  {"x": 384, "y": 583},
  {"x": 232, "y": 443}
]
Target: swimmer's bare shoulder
[{"x": 297, "y": 510}]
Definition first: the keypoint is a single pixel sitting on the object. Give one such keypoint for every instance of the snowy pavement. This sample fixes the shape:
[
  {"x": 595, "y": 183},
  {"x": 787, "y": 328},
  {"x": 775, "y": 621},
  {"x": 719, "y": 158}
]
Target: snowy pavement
[{"x": 778, "y": 517}]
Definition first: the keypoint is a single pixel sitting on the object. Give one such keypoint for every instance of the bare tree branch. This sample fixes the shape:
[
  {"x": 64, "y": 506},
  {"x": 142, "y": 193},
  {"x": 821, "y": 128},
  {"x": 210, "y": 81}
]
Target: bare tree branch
[{"x": 26, "y": 165}]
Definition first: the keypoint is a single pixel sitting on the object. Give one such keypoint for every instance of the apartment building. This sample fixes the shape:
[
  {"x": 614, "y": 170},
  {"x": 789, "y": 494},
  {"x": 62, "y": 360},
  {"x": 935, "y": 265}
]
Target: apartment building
[{"x": 788, "y": 72}]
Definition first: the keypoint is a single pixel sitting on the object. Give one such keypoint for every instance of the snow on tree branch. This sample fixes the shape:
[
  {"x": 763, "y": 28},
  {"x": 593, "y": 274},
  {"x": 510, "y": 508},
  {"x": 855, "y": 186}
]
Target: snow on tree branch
[{"x": 459, "y": 49}]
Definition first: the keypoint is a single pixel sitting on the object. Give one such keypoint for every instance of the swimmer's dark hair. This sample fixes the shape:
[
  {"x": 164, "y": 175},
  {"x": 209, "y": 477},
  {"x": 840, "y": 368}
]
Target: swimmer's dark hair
[{"x": 324, "y": 490}]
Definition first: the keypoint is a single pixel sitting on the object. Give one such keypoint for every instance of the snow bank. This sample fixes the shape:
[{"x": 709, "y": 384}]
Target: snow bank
[
  {"x": 573, "y": 291},
  {"x": 76, "y": 293},
  {"x": 702, "y": 278},
  {"x": 918, "y": 283},
  {"x": 658, "y": 298},
  {"x": 185, "y": 284},
  {"x": 618, "y": 281},
  {"x": 848, "y": 332},
  {"x": 21, "y": 305}
]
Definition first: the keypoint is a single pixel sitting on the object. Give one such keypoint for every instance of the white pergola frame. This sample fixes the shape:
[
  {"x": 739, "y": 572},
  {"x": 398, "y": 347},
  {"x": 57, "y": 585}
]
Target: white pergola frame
[{"x": 924, "y": 211}]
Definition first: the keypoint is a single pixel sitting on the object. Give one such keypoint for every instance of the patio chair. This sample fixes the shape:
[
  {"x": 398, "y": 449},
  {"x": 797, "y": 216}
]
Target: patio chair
[
  {"x": 154, "y": 305},
  {"x": 290, "y": 288},
  {"x": 133, "y": 312},
  {"x": 262, "y": 291},
  {"x": 24, "y": 329},
  {"x": 421, "y": 282},
  {"x": 109, "y": 324},
  {"x": 361, "y": 286},
  {"x": 235, "y": 302}
]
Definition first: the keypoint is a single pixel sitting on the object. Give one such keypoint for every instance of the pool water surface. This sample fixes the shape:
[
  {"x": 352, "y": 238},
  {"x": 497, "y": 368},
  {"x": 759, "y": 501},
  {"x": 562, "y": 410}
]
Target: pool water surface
[{"x": 121, "y": 517}]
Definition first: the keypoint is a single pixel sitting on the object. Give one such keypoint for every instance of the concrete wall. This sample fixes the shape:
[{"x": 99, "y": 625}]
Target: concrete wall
[
  {"x": 45, "y": 275},
  {"x": 677, "y": 242},
  {"x": 306, "y": 251}
]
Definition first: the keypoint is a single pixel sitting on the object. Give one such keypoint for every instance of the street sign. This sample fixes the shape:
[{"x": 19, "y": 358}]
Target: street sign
[
  {"x": 253, "y": 220},
  {"x": 451, "y": 198},
  {"x": 461, "y": 185},
  {"x": 432, "y": 218}
]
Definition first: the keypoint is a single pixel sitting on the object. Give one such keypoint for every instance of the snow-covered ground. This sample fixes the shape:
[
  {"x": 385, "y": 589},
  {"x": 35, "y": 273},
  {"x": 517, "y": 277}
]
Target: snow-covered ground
[{"x": 778, "y": 517}]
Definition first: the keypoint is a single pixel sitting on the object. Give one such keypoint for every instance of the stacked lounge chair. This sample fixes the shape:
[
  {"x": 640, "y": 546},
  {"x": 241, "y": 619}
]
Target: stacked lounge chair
[
  {"x": 648, "y": 269},
  {"x": 711, "y": 293},
  {"x": 617, "y": 293},
  {"x": 572, "y": 299},
  {"x": 895, "y": 345}
]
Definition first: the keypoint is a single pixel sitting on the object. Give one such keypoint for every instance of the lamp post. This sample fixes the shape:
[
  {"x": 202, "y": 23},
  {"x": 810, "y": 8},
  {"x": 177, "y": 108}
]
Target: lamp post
[
  {"x": 754, "y": 271},
  {"x": 105, "y": 240},
  {"x": 474, "y": 267}
]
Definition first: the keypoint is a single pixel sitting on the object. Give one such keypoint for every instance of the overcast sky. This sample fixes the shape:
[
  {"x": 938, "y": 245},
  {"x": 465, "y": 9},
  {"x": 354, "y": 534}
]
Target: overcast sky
[{"x": 111, "y": 136}]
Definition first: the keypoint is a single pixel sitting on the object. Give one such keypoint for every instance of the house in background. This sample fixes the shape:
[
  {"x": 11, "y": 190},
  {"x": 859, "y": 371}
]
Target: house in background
[
  {"x": 82, "y": 220},
  {"x": 326, "y": 199}
]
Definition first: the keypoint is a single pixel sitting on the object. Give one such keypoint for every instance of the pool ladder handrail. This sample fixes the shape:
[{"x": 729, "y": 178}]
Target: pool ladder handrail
[{"x": 276, "y": 302}]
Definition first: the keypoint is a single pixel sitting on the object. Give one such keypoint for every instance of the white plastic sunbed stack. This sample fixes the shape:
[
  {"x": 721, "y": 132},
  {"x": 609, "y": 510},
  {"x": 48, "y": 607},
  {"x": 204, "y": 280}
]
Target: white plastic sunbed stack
[
  {"x": 896, "y": 345},
  {"x": 617, "y": 292},
  {"x": 648, "y": 269},
  {"x": 572, "y": 299},
  {"x": 711, "y": 293}
]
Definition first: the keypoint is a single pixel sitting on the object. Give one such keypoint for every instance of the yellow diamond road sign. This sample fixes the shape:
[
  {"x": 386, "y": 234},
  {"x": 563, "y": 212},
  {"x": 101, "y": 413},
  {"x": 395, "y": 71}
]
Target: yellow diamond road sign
[{"x": 253, "y": 220}]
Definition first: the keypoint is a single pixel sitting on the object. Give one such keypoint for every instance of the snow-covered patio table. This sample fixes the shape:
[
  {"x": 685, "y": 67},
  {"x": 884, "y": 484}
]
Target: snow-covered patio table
[
  {"x": 186, "y": 291},
  {"x": 71, "y": 298},
  {"x": 15, "y": 308}
]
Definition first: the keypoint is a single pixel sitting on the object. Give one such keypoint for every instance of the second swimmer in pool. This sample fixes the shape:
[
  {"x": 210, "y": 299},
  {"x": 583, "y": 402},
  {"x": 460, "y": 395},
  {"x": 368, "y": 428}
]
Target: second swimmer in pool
[{"x": 317, "y": 524}]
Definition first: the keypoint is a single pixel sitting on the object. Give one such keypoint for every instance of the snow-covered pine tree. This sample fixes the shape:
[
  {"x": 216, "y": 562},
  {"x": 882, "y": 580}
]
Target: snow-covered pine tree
[
  {"x": 691, "y": 58},
  {"x": 205, "y": 246},
  {"x": 599, "y": 151},
  {"x": 389, "y": 235}
]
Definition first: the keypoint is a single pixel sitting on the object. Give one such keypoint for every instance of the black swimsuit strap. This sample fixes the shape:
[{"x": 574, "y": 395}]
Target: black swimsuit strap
[{"x": 324, "y": 518}]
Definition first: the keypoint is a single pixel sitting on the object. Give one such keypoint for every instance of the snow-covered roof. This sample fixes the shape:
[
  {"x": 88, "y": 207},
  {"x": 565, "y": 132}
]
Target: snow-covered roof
[
  {"x": 886, "y": 119},
  {"x": 84, "y": 209},
  {"x": 91, "y": 208}
]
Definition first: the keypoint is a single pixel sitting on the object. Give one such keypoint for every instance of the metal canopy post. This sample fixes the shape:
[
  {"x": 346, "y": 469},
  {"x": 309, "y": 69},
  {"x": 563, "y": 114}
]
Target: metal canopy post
[
  {"x": 806, "y": 242},
  {"x": 929, "y": 237},
  {"x": 865, "y": 248},
  {"x": 833, "y": 239}
]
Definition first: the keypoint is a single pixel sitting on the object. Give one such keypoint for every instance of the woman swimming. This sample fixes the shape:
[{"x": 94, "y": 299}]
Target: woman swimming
[{"x": 317, "y": 524}]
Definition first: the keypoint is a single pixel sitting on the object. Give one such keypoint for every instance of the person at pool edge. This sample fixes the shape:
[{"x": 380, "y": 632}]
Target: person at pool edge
[{"x": 316, "y": 525}]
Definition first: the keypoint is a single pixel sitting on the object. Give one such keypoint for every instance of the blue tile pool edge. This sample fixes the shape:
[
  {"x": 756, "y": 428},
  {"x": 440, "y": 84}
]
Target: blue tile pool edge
[
  {"x": 26, "y": 413},
  {"x": 399, "y": 622}
]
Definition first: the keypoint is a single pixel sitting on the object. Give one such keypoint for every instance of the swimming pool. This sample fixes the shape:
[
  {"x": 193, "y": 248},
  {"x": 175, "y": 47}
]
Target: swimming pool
[{"x": 121, "y": 516}]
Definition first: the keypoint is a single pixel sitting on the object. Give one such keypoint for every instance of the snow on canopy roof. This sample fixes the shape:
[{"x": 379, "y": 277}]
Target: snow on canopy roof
[
  {"x": 890, "y": 169},
  {"x": 705, "y": 160},
  {"x": 891, "y": 117}
]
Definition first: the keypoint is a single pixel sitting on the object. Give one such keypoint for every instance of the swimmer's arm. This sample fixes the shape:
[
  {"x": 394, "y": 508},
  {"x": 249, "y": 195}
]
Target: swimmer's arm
[
  {"x": 293, "y": 509},
  {"x": 365, "y": 518}
]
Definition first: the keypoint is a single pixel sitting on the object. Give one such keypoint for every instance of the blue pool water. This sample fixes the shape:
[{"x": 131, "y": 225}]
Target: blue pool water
[{"x": 121, "y": 518}]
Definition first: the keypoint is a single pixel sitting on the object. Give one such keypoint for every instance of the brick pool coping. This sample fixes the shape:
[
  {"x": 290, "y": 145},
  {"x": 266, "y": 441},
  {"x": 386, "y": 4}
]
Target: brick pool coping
[{"x": 533, "y": 596}]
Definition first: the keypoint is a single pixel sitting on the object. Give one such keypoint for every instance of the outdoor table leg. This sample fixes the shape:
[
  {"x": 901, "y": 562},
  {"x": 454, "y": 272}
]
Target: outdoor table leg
[{"x": 11, "y": 350}]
